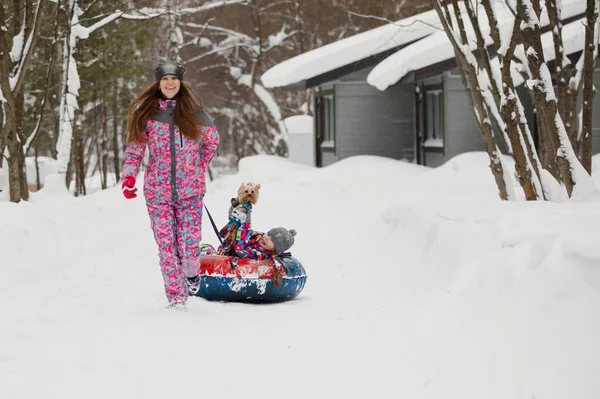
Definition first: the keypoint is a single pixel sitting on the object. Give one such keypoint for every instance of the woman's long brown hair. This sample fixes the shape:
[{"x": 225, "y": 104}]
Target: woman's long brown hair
[{"x": 146, "y": 105}]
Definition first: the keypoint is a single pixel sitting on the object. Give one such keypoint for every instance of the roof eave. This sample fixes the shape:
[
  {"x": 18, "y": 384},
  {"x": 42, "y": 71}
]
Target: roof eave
[{"x": 347, "y": 69}]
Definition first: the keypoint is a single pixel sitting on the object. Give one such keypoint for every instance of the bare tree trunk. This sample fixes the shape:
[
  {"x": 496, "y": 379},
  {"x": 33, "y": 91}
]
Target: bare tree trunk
[
  {"x": 8, "y": 126},
  {"x": 2, "y": 143},
  {"x": 68, "y": 95},
  {"x": 76, "y": 162},
  {"x": 510, "y": 115},
  {"x": 547, "y": 152},
  {"x": 468, "y": 71},
  {"x": 12, "y": 103},
  {"x": 80, "y": 162},
  {"x": 115, "y": 140},
  {"x": 23, "y": 176},
  {"x": 482, "y": 49},
  {"x": 567, "y": 99},
  {"x": 104, "y": 144},
  {"x": 88, "y": 146},
  {"x": 552, "y": 127},
  {"x": 256, "y": 17},
  {"x": 55, "y": 116},
  {"x": 10, "y": 112},
  {"x": 572, "y": 120},
  {"x": 98, "y": 139},
  {"x": 19, "y": 113},
  {"x": 508, "y": 99},
  {"x": 20, "y": 21},
  {"x": 14, "y": 177},
  {"x": 69, "y": 173},
  {"x": 589, "y": 91},
  {"x": 38, "y": 183},
  {"x": 485, "y": 58},
  {"x": 45, "y": 98},
  {"x": 55, "y": 99},
  {"x": 530, "y": 146},
  {"x": 123, "y": 133},
  {"x": 13, "y": 145}
]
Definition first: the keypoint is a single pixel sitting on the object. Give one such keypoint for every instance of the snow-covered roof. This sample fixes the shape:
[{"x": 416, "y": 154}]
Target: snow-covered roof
[
  {"x": 437, "y": 47},
  {"x": 352, "y": 49}
]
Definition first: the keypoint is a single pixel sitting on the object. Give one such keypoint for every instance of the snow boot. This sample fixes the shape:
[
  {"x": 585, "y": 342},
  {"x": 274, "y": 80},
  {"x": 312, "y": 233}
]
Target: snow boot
[
  {"x": 193, "y": 284},
  {"x": 178, "y": 304}
]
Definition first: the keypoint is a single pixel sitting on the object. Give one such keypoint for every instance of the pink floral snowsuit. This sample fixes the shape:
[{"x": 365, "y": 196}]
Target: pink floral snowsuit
[{"x": 174, "y": 188}]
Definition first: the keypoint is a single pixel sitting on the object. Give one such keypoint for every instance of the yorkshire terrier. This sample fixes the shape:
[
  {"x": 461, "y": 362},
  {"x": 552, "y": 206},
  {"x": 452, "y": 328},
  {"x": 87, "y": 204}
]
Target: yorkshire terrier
[
  {"x": 248, "y": 193},
  {"x": 240, "y": 213}
]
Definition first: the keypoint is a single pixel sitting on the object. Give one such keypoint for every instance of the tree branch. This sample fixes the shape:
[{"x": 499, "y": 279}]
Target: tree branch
[
  {"x": 399, "y": 23},
  {"x": 36, "y": 130},
  {"x": 17, "y": 80}
]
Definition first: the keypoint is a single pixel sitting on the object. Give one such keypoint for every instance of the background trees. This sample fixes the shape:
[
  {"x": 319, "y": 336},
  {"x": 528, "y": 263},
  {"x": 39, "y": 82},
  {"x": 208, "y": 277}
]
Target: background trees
[
  {"x": 65, "y": 95},
  {"x": 491, "y": 40}
]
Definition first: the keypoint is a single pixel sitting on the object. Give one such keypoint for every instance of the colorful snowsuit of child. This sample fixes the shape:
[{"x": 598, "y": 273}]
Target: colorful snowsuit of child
[
  {"x": 174, "y": 188},
  {"x": 238, "y": 214},
  {"x": 246, "y": 244}
]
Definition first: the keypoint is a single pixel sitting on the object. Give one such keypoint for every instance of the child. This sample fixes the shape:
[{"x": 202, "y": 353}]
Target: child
[
  {"x": 251, "y": 244},
  {"x": 254, "y": 245}
]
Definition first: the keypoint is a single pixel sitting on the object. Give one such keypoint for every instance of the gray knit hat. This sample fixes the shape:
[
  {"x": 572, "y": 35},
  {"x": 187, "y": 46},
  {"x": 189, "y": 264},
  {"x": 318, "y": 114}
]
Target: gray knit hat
[
  {"x": 282, "y": 238},
  {"x": 169, "y": 68}
]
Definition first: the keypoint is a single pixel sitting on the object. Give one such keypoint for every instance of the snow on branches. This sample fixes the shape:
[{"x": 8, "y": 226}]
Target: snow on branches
[{"x": 499, "y": 45}]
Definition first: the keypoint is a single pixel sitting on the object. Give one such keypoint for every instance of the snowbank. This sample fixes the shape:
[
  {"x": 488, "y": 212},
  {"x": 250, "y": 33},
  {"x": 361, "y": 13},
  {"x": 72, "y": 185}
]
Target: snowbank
[
  {"x": 300, "y": 124},
  {"x": 301, "y": 141},
  {"x": 46, "y": 166}
]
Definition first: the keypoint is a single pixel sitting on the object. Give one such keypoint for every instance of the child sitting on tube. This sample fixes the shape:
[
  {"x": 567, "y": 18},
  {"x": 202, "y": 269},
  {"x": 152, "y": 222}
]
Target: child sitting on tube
[{"x": 251, "y": 244}]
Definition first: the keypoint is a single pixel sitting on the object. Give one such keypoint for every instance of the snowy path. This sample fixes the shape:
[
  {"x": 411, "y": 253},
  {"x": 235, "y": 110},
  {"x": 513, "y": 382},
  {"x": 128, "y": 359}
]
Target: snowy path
[{"x": 409, "y": 295}]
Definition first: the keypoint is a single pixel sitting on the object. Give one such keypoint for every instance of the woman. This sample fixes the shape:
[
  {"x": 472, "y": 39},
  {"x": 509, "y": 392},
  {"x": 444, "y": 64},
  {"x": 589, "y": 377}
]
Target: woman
[{"x": 181, "y": 138}]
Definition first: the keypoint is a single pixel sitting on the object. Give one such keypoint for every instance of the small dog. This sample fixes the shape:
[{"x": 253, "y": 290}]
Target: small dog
[
  {"x": 248, "y": 193},
  {"x": 240, "y": 212}
]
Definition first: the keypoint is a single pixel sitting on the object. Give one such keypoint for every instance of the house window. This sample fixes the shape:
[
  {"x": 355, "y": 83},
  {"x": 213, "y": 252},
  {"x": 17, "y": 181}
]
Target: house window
[
  {"x": 434, "y": 109},
  {"x": 328, "y": 121}
]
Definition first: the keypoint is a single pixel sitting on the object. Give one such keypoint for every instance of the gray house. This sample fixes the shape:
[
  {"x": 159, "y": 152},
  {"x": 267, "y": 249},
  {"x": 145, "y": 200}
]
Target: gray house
[{"x": 423, "y": 117}]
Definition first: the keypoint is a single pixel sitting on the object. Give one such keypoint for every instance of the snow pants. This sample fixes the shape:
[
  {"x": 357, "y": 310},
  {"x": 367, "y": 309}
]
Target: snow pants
[{"x": 177, "y": 228}]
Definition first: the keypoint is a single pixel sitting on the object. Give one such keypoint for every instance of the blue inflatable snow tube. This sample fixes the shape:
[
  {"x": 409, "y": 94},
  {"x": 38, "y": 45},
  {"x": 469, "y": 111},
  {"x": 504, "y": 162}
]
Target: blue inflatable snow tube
[{"x": 232, "y": 279}]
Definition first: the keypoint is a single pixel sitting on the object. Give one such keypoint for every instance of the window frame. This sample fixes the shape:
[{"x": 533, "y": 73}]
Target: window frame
[
  {"x": 323, "y": 97},
  {"x": 426, "y": 90}
]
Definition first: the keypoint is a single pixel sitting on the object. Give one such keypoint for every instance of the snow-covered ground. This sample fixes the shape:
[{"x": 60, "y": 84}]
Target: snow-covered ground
[{"x": 422, "y": 284}]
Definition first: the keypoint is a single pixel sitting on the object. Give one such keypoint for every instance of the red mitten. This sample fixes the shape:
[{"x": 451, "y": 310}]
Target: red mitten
[{"x": 128, "y": 187}]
